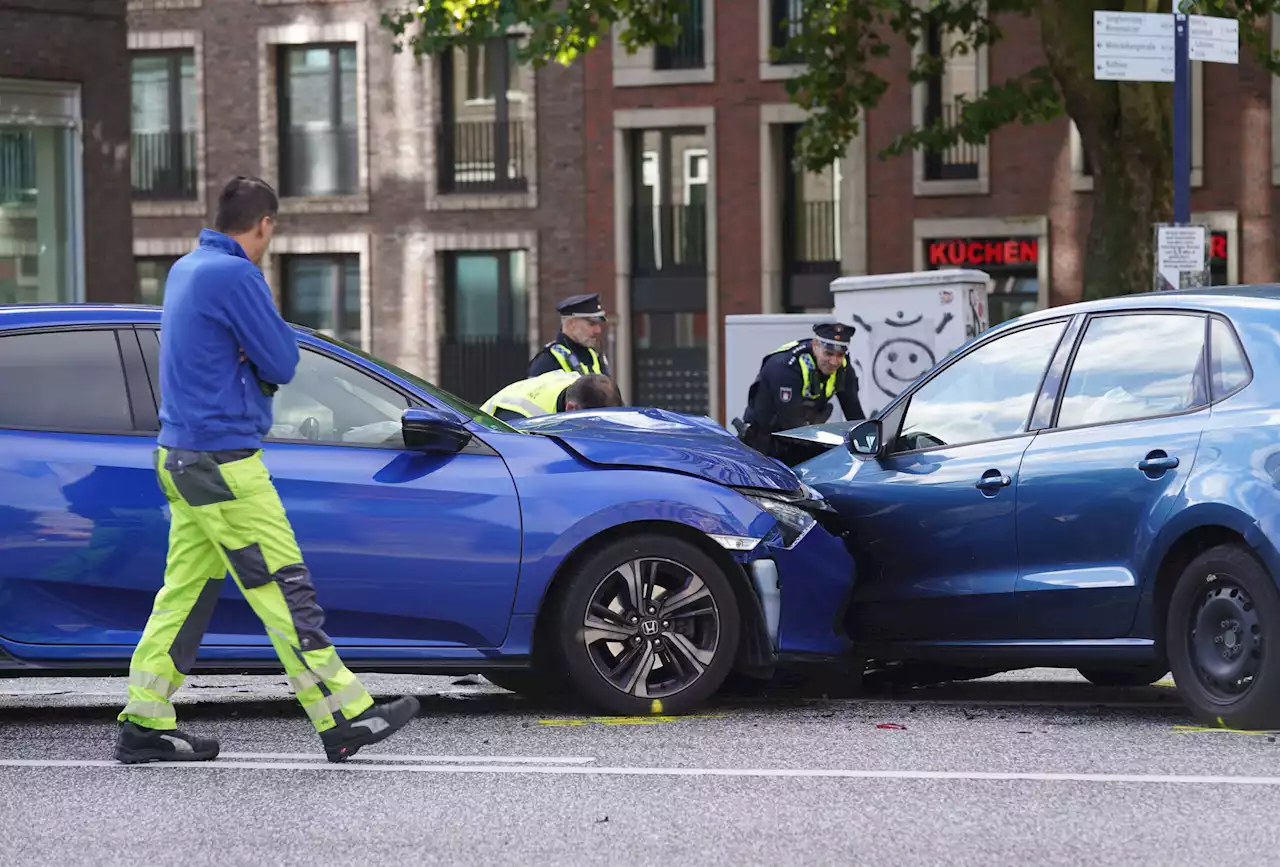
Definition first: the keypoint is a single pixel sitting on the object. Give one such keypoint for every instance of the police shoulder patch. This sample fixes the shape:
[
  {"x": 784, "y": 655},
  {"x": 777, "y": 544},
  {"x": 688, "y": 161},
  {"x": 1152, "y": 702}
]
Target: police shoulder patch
[{"x": 784, "y": 394}]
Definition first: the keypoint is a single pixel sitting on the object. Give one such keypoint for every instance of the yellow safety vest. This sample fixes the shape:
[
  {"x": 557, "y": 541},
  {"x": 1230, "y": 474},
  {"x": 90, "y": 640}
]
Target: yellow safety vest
[
  {"x": 536, "y": 395},
  {"x": 569, "y": 361},
  {"x": 809, "y": 369}
]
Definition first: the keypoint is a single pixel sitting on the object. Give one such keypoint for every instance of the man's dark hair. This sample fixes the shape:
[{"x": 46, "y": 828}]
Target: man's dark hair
[
  {"x": 593, "y": 391},
  {"x": 244, "y": 202}
]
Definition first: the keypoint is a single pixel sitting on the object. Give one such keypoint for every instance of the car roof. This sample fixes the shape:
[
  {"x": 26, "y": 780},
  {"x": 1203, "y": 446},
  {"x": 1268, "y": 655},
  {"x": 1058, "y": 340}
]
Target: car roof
[
  {"x": 53, "y": 315},
  {"x": 1222, "y": 299}
]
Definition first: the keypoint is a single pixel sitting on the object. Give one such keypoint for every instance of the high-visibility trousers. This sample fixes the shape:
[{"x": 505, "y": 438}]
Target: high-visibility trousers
[{"x": 227, "y": 517}]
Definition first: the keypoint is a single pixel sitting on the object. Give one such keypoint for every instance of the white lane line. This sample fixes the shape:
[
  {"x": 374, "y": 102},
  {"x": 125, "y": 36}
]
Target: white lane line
[
  {"x": 579, "y": 770},
  {"x": 509, "y": 760}
]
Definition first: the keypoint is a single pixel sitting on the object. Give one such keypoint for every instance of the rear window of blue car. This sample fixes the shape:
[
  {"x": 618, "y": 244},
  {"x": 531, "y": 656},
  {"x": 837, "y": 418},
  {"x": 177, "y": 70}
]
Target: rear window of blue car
[
  {"x": 1228, "y": 367},
  {"x": 63, "y": 381}
]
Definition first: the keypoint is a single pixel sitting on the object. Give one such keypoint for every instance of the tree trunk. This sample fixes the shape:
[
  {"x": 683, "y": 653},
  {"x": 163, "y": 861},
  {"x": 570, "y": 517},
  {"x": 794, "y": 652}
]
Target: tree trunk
[{"x": 1126, "y": 130}]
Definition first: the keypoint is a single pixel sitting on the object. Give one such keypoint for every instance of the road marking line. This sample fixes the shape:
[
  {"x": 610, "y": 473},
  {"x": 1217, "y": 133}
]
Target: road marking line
[
  {"x": 531, "y": 760},
  {"x": 580, "y": 770},
  {"x": 1188, "y": 730},
  {"x": 626, "y": 720}
]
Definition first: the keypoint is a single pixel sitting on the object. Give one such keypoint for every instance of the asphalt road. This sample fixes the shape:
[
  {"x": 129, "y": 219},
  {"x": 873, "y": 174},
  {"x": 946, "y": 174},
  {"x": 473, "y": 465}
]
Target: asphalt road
[{"x": 1037, "y": 768}]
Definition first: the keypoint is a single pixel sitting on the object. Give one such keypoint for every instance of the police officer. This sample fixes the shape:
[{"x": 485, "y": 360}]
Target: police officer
[
  {"x": 796, "y": 383},
  {"x": 552, "y": 392},
  {"x": 577, "y": 346}
]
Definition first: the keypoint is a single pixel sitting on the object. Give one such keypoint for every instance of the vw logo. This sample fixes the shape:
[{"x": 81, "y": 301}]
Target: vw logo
[{"x": 649, "y": 627}]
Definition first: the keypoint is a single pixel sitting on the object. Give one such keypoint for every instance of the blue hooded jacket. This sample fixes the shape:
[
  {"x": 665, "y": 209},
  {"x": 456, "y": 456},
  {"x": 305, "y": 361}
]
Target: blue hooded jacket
[{"x": 217, "y": 303}]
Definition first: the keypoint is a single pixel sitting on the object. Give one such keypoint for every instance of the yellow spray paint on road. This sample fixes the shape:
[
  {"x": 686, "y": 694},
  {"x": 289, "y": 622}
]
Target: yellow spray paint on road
[{"x": 648, "y": 720}]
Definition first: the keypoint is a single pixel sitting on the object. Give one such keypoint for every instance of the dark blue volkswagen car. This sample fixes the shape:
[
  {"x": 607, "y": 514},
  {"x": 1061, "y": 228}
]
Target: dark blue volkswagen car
[
  {"x": 633, "y": 557},
  {"x": 1095, "y": 486}
]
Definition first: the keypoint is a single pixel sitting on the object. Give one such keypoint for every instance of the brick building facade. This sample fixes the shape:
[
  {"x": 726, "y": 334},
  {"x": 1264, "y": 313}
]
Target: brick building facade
[
  {"x": 432, "y": 212},
  {"x": 694, "y": 214},
  {"x": 65, "y": 231}
]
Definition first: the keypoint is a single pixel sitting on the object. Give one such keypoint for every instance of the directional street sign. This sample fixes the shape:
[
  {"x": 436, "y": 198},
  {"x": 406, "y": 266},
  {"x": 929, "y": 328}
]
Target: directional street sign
[
  {"x": 1214, "y": 40},
  {"x": 1132, "y": 46}
]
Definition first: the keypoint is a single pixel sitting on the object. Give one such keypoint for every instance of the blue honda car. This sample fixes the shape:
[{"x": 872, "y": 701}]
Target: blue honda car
[
  {"x": 1093, "y": 486},
  {"x": 632, "y": 557}
]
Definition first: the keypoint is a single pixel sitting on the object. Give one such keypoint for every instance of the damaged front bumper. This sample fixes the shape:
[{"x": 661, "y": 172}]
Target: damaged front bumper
[{"x": 802, "y": 575}]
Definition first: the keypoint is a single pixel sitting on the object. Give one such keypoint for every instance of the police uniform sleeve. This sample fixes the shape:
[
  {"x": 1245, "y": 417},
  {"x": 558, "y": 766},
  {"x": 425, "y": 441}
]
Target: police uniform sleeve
[
  {"x": 778, "y": 404},
  {"x": 543, "y": 362},
  {"x": 848, "y": 396}
]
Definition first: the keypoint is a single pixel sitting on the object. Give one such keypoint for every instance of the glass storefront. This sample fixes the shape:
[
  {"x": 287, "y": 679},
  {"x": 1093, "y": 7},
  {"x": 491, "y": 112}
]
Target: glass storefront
[{"x": 40, "y": 198}]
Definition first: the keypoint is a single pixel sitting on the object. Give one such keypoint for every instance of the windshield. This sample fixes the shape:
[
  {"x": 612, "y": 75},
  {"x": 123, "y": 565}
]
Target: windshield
[{"x": 456, "y": 403}]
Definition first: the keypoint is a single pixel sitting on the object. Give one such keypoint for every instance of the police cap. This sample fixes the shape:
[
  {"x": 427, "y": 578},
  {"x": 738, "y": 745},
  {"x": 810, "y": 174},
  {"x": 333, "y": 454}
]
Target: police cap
[
  {"x": 584, "y": 306},
  {"x": 834, "y": 335}
]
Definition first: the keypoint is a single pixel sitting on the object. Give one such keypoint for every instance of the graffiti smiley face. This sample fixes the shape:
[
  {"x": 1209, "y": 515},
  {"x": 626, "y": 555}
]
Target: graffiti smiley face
[{"x": 898, "y": 362}]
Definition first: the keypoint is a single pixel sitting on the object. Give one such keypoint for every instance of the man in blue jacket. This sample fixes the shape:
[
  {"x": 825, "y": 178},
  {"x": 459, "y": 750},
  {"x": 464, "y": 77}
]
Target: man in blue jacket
[{"x": 224, "y": 351}]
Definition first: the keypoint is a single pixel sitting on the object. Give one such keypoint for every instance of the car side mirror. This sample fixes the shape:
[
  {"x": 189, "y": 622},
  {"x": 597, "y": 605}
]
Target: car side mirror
[
  {"x": 430, "y": 430},
  {"x": 866, "y": 439}
]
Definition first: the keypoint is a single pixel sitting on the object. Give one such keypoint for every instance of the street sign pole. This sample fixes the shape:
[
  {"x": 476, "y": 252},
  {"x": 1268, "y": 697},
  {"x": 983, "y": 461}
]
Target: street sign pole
[{"x": 1181, "y": 123}]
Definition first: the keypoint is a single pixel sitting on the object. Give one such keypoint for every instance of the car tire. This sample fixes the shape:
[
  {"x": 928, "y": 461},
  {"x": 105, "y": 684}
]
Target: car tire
[
  {"x": 629, "y": 662},
  {"x": 1141, "y": 676},
  {"x": 1222, "y": 611}
]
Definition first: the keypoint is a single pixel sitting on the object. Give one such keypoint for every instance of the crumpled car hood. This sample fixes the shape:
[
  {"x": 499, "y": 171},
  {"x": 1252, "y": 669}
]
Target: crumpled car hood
[{"x": 662, "y": 440}]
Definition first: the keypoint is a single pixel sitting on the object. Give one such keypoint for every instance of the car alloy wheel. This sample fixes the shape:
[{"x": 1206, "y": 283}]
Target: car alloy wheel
[
  {"x": 652, "y": 627},
  {"x": 1226, "y": 638},
  {"x": 646, "y": 623}
]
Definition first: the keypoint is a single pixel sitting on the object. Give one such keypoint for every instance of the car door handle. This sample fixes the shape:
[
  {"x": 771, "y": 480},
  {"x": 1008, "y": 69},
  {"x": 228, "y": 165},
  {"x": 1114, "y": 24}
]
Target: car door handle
[
  {"x": 1158, "y": 461},
  {"x": 992, "y": 479}
]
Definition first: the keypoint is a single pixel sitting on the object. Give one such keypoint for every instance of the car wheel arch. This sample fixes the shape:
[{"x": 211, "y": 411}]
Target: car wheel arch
[
  {"x": 754, "y": 648},
  {"x": 1186, "y": 548}
]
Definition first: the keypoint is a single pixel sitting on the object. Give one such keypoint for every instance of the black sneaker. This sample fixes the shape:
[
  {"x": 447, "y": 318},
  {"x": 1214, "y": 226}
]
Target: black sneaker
[
  {"x": 138, "y": 744},
  {"x": 376, "y": 724}
]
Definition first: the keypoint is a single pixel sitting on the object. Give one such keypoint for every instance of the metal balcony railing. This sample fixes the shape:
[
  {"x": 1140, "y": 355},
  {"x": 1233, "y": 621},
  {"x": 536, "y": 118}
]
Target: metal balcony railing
[
  {"x": 17, "y": 168},
  {"x": 163, "y": 165},
  {"x": 482, "y": 156},
  {"x": 785, "y": 19},
  {"x": 816, "y": 230},
  {"x": 689, "y": 50},
  {"x": 475, "y": 368},
  {"x": 320, "y": 162},
  {"x": 956, "y": 163}
]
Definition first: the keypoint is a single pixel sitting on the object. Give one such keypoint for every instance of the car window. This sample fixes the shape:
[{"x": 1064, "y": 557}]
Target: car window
[
  {"x": 63, "y": 380},
  {"x": 984, "y": 395},
  {"x": 1135, "y": 366},
  {"x": 450, "y": 400},
  {"x": 1230, "y": 371},
  {"x": 331, "y": 402}
]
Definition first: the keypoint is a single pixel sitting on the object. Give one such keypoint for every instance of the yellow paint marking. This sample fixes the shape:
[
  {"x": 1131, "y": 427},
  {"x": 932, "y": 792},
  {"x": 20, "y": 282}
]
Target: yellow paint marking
[
  {"x": 625, "y": 720},
  {"x": 1167, "y": 682},
  {"x": 1187, "y": 730}
]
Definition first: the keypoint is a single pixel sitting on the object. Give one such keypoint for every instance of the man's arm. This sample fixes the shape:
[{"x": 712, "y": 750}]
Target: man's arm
[
  {"x": 848, "y": 395},
  {"x": 266, "y": 339}
]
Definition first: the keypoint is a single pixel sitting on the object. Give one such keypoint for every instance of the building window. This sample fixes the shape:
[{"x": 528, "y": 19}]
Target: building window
[
  {"x": 689, "y": 49},
  {"x": 319, "y": 137},
  {"x": 943, "y": 97},
  {"x": 163, "y": 133},
  {"x": 811, "y": 230},
  {"x": 40, "y": 198},
  {"x": 486, "y": 314},
  {"x": 322, "y": 291},
  {"x": 785, "y": 20},
  {"x": 152, "y": 273},
  {"x": 485, "y": 118},
  {"x": 671, "y": 176}
]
